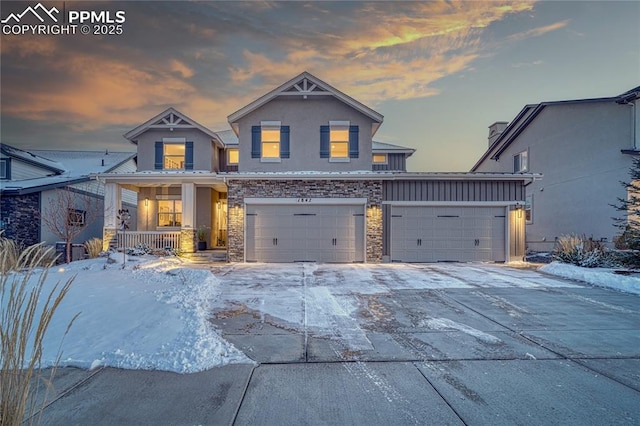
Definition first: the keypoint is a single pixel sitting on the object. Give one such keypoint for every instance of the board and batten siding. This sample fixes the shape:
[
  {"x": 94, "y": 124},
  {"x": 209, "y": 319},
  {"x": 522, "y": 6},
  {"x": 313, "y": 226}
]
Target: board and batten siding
[
  {"x": 394, "y": 162},
  {"x": 445, "y": 190}
]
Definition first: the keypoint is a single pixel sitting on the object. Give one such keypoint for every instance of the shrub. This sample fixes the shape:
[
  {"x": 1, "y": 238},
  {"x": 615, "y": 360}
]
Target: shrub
[
  {"x": 23, "y": 324},
  {"x": 93, "y": 247},
  {"x": 582, "y": 251}
]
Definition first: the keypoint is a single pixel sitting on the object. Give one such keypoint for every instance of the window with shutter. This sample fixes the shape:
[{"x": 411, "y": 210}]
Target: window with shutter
[{"x": 270, "y": 141}]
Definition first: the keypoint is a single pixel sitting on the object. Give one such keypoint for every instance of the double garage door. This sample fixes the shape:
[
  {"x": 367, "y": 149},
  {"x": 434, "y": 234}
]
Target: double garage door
[
  {"x": 440, "y": 234},
  {"x": 304, "y": 233}
]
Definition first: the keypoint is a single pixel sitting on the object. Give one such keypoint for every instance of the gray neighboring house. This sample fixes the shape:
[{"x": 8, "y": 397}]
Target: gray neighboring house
[
  {"x": 29, "y": 180},
  {"x": 584, "y": 148},
  {"x": 299, "y": 177}
]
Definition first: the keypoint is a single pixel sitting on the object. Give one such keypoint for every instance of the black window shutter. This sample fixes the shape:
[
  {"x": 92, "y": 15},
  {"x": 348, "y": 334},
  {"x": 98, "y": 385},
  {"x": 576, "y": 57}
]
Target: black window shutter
[
  {"x": 188, "y": 156},
  {"x": 284, "y": 141},
  {"x": 256, "y": 142},
  {"x": 353, "y": 141},
  {"x": 159, "y": 156},
  {"x": 324, "y": 141}
]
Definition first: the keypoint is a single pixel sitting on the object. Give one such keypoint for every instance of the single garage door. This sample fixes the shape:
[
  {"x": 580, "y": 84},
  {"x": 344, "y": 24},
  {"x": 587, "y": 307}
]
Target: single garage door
[
  {"x": 441, "y": 234},
  {"x": 305, "y": 233}
]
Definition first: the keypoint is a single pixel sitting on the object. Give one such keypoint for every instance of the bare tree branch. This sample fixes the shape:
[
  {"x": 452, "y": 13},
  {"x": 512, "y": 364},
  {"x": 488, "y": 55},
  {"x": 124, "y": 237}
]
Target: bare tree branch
[{"x": 68, "y": 213}]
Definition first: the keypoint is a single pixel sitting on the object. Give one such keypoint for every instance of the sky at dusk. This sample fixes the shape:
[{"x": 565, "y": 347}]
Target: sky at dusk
[{"x": 439, "y": 72}]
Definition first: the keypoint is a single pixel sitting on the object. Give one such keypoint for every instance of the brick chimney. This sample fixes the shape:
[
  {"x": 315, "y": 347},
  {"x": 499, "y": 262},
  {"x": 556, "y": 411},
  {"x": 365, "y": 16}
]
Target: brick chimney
[{"x": 495, "y": 130}]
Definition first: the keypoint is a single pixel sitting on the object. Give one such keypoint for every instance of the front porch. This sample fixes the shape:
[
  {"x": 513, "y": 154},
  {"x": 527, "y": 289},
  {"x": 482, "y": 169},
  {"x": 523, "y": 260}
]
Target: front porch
[{"x": 173, "y": 212}]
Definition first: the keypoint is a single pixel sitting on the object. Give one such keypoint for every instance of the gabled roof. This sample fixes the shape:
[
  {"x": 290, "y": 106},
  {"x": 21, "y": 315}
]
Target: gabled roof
[
  {"x": 305, "y": 85},
  {"x": 530, "y": 112},
  {"x": 32, "y": 158},
  {"x": 72, "y": 167},
  {"x": 169, "y": 119},
  {"x": 383, "y": 147}
]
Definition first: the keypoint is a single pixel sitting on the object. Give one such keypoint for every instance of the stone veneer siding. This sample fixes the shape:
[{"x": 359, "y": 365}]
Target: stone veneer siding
[
  {"x": 21, "y": 217},
  {"x": 238, "y": 190},
  {"x": 187, "y": 240}
]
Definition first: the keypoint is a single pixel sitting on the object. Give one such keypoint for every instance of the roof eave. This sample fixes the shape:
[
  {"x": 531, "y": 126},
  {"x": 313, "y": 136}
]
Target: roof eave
[{"x": 375, "y": 116}]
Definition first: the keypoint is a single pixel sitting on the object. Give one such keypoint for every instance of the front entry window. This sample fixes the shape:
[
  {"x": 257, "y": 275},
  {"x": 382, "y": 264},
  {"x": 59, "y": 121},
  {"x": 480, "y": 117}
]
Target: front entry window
[{"x": 169, "y": 213}]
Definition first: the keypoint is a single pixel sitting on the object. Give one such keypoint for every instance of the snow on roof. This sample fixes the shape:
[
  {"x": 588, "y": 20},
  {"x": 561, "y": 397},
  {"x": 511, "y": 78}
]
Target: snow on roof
[
  {"x": 72, "y": 167},
  {"x": 32, "y": 158},
  {"x": 228, "y": 137},
  {"x": 388, "y": 147}
]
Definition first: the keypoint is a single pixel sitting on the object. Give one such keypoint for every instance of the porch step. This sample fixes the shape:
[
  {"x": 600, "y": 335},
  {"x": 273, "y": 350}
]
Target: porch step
[{"x": 207, "y": 256}]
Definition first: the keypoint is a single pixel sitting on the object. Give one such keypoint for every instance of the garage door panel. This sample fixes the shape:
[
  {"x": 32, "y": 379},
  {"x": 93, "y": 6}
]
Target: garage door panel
[
  {"x": 289, "y": 233},
  {"x": 447, "y": 234}
]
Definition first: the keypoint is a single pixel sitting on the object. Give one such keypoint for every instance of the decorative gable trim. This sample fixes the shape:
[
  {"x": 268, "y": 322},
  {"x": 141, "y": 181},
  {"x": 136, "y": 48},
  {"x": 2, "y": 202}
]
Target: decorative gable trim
[
  {"x": 305, "y": 85},
  {"x": 169, "y": 120}
]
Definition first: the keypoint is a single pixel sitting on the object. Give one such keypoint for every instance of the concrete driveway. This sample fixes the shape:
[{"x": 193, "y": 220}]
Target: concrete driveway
[{"x": 382, "y": 344}]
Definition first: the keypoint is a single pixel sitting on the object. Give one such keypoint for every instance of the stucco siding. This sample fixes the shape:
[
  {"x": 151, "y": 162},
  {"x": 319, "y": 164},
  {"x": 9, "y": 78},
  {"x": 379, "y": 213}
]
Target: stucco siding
[
  {"x": 202, "y": 147},
  {"x": 304, "y": 118},
  {"x": 576, "y": 147}
]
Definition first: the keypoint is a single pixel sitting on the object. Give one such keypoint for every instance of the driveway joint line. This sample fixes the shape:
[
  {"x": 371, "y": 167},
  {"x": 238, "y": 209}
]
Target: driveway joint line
[
  {"x": 451, "y": 407},
  {"x": 64, "y": 393},
  {"x": 244, "y": 394},
  {"x": 561, "y": 355}
]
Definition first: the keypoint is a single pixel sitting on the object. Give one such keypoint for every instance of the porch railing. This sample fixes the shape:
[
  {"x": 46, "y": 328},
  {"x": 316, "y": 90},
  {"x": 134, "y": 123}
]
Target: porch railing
[{"x": 151, "y": 239}]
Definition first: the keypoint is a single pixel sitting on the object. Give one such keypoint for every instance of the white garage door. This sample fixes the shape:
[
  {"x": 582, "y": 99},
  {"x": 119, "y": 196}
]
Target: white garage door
[
  {"x": 305, "y": 233},
  {"x": 440, "y": 234}
]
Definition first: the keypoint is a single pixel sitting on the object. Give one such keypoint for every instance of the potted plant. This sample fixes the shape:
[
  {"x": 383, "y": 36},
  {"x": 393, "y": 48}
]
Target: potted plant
[{"x": 202, "y": 232}]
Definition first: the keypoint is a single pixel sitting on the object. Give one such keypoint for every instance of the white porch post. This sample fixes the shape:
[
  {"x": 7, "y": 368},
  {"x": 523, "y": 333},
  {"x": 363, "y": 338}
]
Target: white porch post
[
  {"x": 112, "y": 203},
  {"x": 187, "y": 239}
]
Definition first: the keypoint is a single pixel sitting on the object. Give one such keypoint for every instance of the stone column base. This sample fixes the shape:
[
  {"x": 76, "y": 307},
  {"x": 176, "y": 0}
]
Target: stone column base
[
  {"x": 109, "y": 238},
  {"x": 188, "y": 240}
]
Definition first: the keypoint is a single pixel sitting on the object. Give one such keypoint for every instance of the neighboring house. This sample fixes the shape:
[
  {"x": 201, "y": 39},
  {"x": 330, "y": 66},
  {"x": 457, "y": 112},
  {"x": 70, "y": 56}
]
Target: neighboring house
[
  {"x": 584, "y": 149},
  {"x": 29, "y": 180},
  {"x": 300, "y": 178}
]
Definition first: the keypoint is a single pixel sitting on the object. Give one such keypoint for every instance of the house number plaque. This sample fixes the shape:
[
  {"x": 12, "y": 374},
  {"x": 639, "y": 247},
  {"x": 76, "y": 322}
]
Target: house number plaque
[{"x": 304, "y": 200}]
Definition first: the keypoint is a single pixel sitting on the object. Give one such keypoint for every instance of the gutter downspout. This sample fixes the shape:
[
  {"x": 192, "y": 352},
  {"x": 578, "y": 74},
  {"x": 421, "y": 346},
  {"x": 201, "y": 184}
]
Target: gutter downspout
[{"x": 633, "y": 125}]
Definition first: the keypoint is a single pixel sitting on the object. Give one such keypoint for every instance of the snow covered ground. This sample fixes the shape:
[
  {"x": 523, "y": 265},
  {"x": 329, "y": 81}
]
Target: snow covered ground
[
  {"x": 601, "y": 277},
  {"x": 155, "y": 313}
]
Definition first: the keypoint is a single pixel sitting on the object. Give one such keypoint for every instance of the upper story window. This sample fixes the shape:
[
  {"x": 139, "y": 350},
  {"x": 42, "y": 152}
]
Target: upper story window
[
  {"x": 270, "y": 136},
  {"x": 379, "y": 158},
  {"x": 233, "y": 156},
  {"x": 339, "y": 141},
  {"x": 521, "y": 162},
  {"x": 174, "y": 154},
  {"x": 270, "y": 141},
  {"x": 5, "y": 168}
]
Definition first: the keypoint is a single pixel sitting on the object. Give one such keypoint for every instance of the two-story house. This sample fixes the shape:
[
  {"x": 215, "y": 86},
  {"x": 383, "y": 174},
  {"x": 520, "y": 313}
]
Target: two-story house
[
  {"x": 299, "y": 177},
  {"x": 584, "y": 148}
]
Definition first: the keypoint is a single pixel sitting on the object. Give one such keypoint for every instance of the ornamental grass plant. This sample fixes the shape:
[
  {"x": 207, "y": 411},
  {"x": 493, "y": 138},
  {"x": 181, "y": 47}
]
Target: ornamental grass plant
[{"x": 26, "y": 310}]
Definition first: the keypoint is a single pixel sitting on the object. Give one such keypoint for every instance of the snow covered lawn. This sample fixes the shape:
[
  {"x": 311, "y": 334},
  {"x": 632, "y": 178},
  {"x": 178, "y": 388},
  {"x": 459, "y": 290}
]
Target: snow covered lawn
[
  {"x": 602, "y": 277},
  {"x": 154, "y": 314}
]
